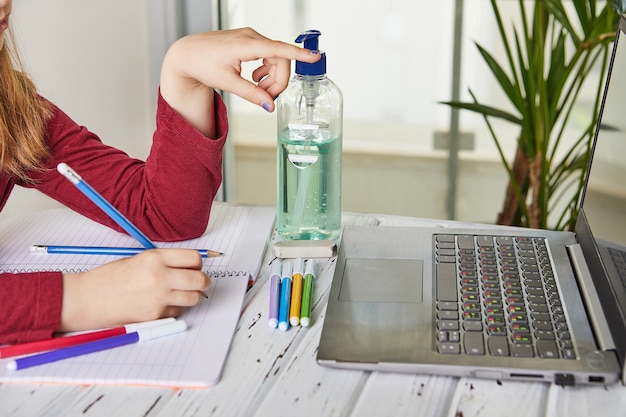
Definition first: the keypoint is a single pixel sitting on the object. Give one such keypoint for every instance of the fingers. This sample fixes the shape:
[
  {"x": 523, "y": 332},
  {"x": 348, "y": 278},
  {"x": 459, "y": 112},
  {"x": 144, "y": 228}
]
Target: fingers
[
  {"x": 178, "y": 258},
  {"x": 274, "y": 73},
  {"x": 272, "y": 78},
  {"x": 250, "y": 92},
  {"x": 188, "y": 280},
  {"x": 182, "y": 275},
  {"x": 256, "y": 46}
]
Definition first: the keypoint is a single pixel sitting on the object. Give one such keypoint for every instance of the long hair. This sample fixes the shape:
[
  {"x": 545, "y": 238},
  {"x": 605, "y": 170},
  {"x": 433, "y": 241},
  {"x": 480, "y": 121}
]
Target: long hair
[{"x": 23, "y": 117}]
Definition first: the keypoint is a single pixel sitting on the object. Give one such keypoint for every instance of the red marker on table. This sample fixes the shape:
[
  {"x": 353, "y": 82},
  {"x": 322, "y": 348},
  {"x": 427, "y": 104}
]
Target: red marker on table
[{"x": 61, "y": 342}]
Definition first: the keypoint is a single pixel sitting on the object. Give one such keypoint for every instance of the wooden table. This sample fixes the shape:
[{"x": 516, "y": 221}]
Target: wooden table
[{"x": 274, "y": 373}]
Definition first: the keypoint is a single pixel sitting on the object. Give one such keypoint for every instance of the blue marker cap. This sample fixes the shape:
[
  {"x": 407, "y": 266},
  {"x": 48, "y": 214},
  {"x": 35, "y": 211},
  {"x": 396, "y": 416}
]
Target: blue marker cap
[{"x": 311, "y": 42}]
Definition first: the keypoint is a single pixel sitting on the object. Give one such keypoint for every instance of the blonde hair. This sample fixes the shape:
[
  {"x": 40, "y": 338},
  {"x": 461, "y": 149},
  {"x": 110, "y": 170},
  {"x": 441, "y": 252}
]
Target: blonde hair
[{"x": 23, "y": 117}]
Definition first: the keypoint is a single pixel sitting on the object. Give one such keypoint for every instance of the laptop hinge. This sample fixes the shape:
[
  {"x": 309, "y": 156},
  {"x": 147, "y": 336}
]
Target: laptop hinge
[{"x": 592, "y": 300}]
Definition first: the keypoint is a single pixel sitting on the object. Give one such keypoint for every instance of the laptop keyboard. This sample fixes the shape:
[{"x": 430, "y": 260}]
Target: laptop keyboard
[{"x": 497, "y": 296}]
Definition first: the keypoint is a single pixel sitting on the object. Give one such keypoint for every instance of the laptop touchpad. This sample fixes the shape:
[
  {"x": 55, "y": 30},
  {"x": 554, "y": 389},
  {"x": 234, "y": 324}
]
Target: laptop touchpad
[{"x": 382, "y": 280}]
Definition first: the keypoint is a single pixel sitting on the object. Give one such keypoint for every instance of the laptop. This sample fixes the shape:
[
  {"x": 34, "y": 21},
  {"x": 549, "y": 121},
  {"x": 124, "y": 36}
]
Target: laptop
[{"x": 495, "y": 302}]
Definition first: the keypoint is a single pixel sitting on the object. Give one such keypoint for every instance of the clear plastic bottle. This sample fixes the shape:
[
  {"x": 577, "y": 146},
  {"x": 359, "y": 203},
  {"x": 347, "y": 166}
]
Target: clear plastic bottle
[{"x": 310, "y": 130}]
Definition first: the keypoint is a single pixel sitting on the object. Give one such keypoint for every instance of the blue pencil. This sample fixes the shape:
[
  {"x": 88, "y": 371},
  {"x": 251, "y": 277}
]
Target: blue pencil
[
  {"x": 104, "y": 250},
  {"x": 104, "y": 205},
  {"x": 285, "y": 297},
  {"x": 141, "y": 335}
]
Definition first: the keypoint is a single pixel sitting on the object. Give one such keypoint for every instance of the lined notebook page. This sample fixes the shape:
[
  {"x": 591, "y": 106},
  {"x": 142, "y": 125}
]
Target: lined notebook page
[{"x": 191, "y": 359}]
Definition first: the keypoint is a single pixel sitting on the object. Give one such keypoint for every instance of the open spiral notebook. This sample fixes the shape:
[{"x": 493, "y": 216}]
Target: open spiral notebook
[{"x": 194, "y": 358}]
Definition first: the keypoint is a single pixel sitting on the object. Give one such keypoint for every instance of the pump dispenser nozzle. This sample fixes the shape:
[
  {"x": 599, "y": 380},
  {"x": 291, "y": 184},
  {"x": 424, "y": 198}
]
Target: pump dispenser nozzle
[
  {"x": 310, "y": 38},
  {"x": 311, "y": 73}
]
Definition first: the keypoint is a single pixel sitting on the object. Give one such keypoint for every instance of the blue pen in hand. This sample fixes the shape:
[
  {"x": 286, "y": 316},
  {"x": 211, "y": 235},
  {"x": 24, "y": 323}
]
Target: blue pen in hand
[
  {"x": 104, "y": 205},
  {"x": 285, "y": 297}
]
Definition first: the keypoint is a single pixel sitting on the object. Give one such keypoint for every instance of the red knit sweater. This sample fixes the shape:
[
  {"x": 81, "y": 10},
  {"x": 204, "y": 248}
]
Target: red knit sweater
[{"x": 168, "y": 197}]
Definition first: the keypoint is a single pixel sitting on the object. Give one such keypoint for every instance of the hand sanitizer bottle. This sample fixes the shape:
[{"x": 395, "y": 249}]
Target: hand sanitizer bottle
[{"x": 310, "y": 129}]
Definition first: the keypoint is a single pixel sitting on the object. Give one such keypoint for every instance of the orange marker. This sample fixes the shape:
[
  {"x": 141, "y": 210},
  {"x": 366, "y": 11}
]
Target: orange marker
[{"x": 296, "y": 292}]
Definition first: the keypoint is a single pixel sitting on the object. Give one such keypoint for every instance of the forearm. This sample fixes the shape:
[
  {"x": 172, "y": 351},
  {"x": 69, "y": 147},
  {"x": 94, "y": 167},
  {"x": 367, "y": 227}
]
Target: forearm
[
  {"x": 168, "y": 198},
  {"x": 188, "y": 97}
]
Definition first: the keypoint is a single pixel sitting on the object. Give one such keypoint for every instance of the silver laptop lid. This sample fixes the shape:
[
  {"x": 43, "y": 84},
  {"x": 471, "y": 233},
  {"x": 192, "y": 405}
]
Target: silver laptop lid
[{"x": 601, "y": 225}]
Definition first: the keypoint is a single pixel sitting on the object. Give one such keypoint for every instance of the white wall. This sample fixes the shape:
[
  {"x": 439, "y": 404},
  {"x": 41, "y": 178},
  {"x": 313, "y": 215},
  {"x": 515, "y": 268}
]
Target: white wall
[{"x": 91, "y": 59}]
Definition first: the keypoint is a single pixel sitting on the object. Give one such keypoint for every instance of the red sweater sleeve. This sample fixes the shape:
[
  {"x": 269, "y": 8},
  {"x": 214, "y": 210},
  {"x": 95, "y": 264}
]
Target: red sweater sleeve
[
  {"x": 30, "y": 306},
  {"x": 168, "y": 197}
]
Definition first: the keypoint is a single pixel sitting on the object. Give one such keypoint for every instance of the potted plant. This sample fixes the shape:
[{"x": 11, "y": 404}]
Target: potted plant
[{"x": 548, "y": 60}]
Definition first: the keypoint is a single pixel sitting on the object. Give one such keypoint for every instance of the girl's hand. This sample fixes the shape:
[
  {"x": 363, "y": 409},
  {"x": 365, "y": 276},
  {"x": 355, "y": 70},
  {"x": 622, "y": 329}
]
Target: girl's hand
[
  {"x": 197, "y": 64},
  {"x": 151, "y": 285}
]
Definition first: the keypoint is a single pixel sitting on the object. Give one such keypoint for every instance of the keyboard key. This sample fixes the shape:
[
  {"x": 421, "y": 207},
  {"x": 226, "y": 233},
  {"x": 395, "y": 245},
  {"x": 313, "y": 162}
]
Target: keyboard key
[
  {"x": 447, "y": 325},
  {"x": 522, "y": 351},
  {"x": 446, "y": 282},
  {"x": 449, "y": 348},
  {"x": 446, "y": 245},
  {"x": 472, "y": 315},
  {"x": 473, "y": 343},
  {"x": 469, "y": 306},
  {"x": 542, "y": 325},
  {"x": 493, "y": 302},
  {"x": 473, "y": 326},
  {"x": 496, "y": 320},
  {"x": 544, "y": 335},
  {"x": 447, "y": 315},
  {"x": 522, "y": 338},
  {"x": 498, "y": 345},
  {"x": 496, "y": 329},
  {"x": 484, "y": 241},
  {"x": 547, "y": 349},
  {"x": 465, "y": 241},
  {"x": 446, "y": 259},
  {"x": 444, "y": 238},
  {"x": 447, "y": 305},
  {"x": 518, "y": 318},
  {"x": 520, "y": 328},
  {"x": 446, "y": 252}
]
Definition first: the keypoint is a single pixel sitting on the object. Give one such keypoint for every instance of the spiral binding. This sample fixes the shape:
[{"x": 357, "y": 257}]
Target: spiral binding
[
  {"x": 212, "y": 274},
  {"x": 37, "y": 270},
  {"x": 220, "y": 274}
]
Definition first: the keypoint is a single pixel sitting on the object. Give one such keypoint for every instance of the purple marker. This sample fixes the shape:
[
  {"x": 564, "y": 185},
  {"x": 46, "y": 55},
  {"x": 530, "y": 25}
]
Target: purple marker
[
  {"x": 275, "y": 293},
  {"x": 141, "y": 335}
]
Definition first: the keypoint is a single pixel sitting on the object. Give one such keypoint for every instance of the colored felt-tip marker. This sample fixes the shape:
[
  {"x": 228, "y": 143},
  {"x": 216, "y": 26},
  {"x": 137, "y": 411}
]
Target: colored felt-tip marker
[
  {"x": 307, "y": 291},
  {"x": 104, "y": 205},
  {"x": 296, "y": 292},
  {"x": 104, "y": 250},
  {"x": 274, "y": 293},
  {"x": 285, "y": 297},
  {"x": 142, "y": 335},
  {"x": 65, "y": 341}
]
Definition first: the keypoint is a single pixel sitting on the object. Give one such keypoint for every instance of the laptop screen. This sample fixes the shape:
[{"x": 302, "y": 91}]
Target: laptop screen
[{"x": 601, "y": 227}]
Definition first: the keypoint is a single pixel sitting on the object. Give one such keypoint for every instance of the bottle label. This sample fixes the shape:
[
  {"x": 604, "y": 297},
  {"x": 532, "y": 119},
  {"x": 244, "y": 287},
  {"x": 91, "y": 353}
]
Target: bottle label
[{"x": 306, "y": 129}]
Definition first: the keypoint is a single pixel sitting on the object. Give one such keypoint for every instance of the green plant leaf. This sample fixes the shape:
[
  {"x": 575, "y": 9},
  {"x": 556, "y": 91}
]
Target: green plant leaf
[
  {"x": 487, "y": 111},
  {"x": 509, "y": 88}
]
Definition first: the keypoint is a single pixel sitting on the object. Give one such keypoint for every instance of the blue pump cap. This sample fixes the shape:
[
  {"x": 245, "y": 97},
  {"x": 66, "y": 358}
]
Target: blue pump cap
[{"x": 311, "y": 42}]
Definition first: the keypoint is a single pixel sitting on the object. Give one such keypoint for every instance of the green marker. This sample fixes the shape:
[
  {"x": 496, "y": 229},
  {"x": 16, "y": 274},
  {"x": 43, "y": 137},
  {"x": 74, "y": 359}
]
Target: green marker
[{"x": 309, "y": 276}]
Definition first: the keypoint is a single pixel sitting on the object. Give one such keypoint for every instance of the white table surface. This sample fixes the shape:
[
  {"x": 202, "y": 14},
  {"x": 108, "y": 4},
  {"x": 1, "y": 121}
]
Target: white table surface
[{"x": 274, "y": 373}]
